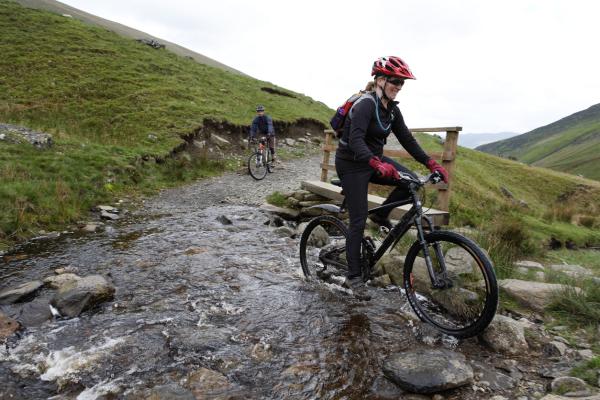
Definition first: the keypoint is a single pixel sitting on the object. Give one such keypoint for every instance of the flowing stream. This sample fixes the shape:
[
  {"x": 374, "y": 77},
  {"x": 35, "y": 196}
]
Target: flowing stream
[{"x": 199, "y": 299}]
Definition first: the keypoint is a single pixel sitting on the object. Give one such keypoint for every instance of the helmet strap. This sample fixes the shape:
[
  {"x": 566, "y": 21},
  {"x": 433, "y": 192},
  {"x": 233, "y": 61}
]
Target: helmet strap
[{"x": 383, "y": 95}]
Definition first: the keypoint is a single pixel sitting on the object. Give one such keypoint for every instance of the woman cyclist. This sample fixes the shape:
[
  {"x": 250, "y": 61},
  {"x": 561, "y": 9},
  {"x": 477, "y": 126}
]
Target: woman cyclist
[{"x": 359, "y": 158}]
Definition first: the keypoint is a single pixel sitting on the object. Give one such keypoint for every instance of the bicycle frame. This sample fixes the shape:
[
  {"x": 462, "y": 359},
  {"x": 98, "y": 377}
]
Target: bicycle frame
[{"x": 413, "y": 216}]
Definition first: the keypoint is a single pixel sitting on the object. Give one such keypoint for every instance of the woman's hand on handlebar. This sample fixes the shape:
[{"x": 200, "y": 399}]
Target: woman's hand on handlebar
[
  {"x": 435, "y": 167},
  {"x": 384, "y": 169}
]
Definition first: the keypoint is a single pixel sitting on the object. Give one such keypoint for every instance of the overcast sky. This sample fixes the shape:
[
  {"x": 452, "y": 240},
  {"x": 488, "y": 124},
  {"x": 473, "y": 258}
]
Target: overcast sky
[{"x": 489, "y": 66}]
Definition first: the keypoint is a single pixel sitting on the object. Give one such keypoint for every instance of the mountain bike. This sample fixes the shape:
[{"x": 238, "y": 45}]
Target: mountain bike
[
  {"x": 448, "y": 279},
  {"x": 260, "y": 162}
]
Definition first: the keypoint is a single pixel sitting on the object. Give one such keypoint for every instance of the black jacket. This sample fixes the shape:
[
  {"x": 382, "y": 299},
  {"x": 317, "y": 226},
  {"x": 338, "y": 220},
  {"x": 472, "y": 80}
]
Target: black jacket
[{"x": 364, "y": 137}]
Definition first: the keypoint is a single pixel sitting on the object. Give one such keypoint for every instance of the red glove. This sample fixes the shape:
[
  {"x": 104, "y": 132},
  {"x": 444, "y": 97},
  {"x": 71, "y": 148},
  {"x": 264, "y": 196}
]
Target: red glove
[
  {"x": 385, "y": 170},
  {"x": 435, "y": 167}
]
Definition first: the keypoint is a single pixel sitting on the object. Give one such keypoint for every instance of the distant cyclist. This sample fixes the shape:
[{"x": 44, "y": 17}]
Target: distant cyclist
[{"x": 263, "y": 125}]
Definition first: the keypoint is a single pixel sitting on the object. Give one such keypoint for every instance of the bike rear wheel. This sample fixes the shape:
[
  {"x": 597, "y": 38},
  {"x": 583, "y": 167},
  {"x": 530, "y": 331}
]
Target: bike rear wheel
[
  {"x": 323, "y": 249},
  {"x": 467, "y": 304},
  {"x": 257, "y": 168}
]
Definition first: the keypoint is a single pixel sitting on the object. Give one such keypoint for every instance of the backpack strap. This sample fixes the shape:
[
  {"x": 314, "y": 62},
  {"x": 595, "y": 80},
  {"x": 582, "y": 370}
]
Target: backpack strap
[
  {"x": 370, "y": 96},
  {"x": 361, "y": 98}
]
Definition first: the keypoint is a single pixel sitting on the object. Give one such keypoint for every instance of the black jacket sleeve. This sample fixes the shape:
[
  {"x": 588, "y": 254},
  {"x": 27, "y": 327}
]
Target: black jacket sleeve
[
  {"x": 359, "y": 123},
  {"x": 407, "y": 140}
]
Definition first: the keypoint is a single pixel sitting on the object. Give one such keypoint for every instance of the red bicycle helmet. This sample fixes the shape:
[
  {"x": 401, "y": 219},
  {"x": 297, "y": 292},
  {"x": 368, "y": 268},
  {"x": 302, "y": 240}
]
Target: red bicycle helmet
[{"x": 392, "y": 66}]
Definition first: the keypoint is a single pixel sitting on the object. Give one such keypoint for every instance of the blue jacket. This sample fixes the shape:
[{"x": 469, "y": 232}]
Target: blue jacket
[{"x": 262, "y": 125}]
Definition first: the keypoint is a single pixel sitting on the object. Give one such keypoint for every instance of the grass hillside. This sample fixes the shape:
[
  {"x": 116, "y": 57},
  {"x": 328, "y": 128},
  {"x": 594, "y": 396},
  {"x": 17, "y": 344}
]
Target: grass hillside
[
  {"x": 571, "y": 145},
  {"x": 107, "y": 100},
  {"x": 556, "y": 204},
  {"x": 122, "y": 30}
]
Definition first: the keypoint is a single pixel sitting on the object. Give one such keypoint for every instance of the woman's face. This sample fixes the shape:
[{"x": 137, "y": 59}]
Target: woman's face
[{"x": 392, "y": 86}]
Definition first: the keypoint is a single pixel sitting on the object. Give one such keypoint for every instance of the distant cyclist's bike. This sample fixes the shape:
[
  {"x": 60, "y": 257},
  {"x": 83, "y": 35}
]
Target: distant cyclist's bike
[
  {"x": 448, "y": 279},
  {"x": 260, "y": 161}
]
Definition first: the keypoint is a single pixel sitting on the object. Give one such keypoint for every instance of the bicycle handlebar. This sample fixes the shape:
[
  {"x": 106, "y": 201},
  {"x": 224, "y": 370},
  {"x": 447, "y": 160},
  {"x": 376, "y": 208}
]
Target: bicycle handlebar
[{"x": 434, "y": 177}]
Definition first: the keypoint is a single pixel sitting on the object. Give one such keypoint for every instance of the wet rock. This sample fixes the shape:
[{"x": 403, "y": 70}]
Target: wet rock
[
  {"x": 108, "y": 215},
  {"x": 311, "y": 212},
  {"x": 205, "y": 383},
  {"x": 8, "y": 326},
  {"x": 66, "y": 270},
  {"x": 109, "y": 209},
  {"x": 171, "y": 391},
  {"x": 19, "y": 293},
  {"x": 81, "y": 295},
  {"x": 289, "y": 141},
  {"x": 382, "y": 281},
  {"x": 200, "y": 340},
  {"x": 284, "y": 231},
  {"x": 505, "y": 335},
  {"x": 428, "y": 371},
  {"x": 318, "y": 237},
  {"x": 285, "y": 213},
  {"x": 190, "y": 251},
  {"x": 62, "y": 280},
  {"x": 276, "y": 221},
  {"x": 261, "y": 352},
  {"x": 34, "y": 313},
  {"x": 536, "y": 295},
  {"x": 89, "y": 228},
  {"x": 224, "y": 220}
]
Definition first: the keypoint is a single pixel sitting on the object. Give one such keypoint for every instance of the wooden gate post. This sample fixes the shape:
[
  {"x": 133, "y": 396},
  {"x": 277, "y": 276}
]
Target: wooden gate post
[
  {"x": 448, "y": 158},
  {"x": 326, "y": 151}
]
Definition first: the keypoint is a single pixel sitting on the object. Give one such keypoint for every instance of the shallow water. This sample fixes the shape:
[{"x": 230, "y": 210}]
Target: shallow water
[{"x": 192, "y": 293}]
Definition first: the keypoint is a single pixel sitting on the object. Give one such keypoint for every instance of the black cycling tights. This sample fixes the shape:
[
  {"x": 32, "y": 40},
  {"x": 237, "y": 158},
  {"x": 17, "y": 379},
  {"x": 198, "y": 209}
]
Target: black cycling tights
[{"x": 355, "y": 179}]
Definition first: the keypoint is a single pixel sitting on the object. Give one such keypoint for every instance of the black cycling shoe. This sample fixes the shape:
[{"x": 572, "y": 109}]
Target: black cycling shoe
[
  {"x": 358, "y": 287},
  {"x": 381, "y": 221}
]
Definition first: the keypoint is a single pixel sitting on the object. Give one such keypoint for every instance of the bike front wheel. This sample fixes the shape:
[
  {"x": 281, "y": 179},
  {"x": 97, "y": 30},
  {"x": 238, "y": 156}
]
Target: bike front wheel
[
  {"x": 323, "y": 249},
  {"x": 464, "y": 302},
  {"x": 257, "y": 167}
]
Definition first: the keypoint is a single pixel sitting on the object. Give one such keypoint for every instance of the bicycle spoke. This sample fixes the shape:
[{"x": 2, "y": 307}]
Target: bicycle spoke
[
  {"x": 465, "y": 299},
  {"x": 323, "y": 249}
]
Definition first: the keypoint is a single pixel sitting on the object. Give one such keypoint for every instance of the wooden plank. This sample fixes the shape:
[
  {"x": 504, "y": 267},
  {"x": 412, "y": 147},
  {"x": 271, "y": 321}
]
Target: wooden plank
[
  {"x": 333, "y": 192},
  {"x": 395, "y": 153},
  {"x": 453, "y": 129}
]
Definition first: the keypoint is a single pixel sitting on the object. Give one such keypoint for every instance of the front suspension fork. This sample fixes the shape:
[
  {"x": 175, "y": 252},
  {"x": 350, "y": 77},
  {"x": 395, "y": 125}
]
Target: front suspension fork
[{"x": 438, "y": 280}]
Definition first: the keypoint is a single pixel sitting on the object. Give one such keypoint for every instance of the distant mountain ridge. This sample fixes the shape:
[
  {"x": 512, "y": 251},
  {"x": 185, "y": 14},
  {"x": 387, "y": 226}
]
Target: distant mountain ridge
[
  {"x": 472, "y": 140},
  {"x": 571, "y": 144},
  {"x": 60, "y": 8}
]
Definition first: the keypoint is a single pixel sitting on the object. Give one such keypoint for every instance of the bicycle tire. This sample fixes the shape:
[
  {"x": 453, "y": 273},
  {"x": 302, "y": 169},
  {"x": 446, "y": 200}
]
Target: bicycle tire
[
  {"x": 320, "y": 252},
  {"x": 256, "y": 166},
  {"x": 469, "y": 305}
]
